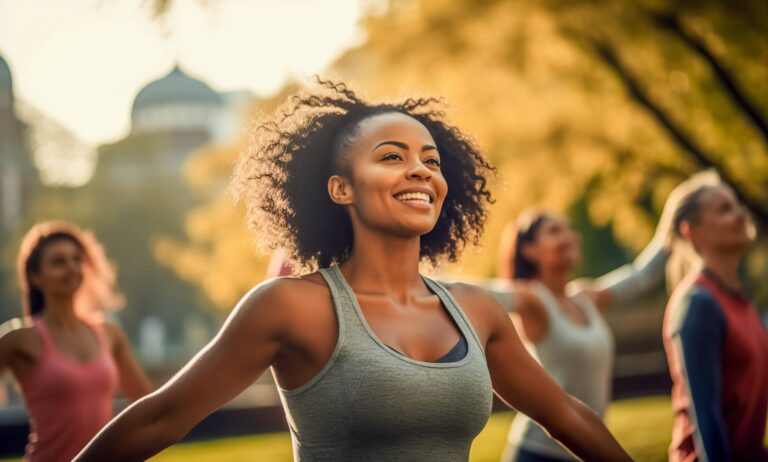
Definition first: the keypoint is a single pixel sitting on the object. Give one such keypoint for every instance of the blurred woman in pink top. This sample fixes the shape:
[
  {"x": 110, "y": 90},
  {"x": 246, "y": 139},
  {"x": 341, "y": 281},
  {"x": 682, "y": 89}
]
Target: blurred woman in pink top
[{"x": 66, "y": 359}]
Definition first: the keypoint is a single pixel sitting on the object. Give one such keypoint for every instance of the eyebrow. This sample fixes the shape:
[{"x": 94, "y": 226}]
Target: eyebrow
[{"x": 402, "y": 145}]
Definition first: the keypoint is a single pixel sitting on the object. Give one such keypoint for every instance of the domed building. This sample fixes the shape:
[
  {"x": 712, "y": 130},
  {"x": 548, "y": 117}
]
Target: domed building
[
  {"x": 176, "y": 102},
  {"x": 138, "y": 192},
  {"x": 171, "y": 117},
  {"x": 6, "y": 86}
]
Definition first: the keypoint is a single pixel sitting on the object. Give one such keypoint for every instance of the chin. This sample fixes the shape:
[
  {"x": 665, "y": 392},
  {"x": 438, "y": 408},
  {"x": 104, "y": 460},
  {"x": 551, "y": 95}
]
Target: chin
[
  {"x": 740, "y": 246},
  {"x": 418, "y": 227}
]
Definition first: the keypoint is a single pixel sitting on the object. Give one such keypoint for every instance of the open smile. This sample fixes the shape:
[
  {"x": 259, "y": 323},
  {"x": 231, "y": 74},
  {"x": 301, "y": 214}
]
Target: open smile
[{"x": 421, "y": 199}]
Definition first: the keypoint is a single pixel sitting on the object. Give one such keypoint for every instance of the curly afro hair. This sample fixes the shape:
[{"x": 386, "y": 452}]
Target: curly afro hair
[{"x": 282, "y": 176}]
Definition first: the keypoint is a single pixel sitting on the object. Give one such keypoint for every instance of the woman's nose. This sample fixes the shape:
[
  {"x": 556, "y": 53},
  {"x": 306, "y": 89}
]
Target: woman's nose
[{"x": 419, "y": 171}]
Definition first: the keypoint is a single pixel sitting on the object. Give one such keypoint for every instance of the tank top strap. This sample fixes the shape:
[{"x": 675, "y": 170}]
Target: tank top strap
[
  {"x": 549, "y": 301},
  {"x": 588, "y": 307},
  {"x": 455, "y": 310},
  {"x": 343, "y": 301},
  {"x": 45, "y": 335}
]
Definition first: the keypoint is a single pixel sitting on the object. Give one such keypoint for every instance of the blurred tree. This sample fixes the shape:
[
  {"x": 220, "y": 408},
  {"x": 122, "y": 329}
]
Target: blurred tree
[
  {"x": 610, "y": 101},
  {"x": 218, "y": 254},
  {"x": 593, "y": 108}
]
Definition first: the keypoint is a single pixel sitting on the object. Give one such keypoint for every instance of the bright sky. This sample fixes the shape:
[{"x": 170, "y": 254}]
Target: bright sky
[{"x": 83, "y": 61}]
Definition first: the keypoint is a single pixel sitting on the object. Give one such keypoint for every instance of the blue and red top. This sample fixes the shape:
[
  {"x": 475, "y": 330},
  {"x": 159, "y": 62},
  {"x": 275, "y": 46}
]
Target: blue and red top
[{"x": 717, "y": 349}]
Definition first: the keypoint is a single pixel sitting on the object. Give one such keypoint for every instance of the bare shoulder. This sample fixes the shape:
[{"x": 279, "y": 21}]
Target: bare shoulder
[
  {"x": 286, "y": 292},
  {"x": 481, "y": 307},
  {"x": 529, "y": 301},
  {"x": 474, "y": 294},
  {"x": 19, "y": 333},
  {"x": 284, "y": 301}
]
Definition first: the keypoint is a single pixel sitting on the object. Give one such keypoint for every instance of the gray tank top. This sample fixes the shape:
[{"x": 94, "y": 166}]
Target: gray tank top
[
  {"x": 579, "y": 358},
  {"x": 370, "y": 403}
]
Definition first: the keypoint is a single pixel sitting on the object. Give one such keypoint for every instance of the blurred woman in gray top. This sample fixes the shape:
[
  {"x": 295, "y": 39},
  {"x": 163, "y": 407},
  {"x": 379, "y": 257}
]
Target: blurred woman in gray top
[{"x": 561, "y": 327}]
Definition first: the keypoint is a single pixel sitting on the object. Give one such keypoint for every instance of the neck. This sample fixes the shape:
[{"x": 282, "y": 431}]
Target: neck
[
  {"x": 725, "y": 267},
  {"x": 554, "y": 280},
  {"x": 60, "y": 311},
  {"x": 384, "y": 264}
]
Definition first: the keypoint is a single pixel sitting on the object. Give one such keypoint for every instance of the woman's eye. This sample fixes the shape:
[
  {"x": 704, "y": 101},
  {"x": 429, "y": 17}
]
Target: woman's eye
[
  {"x": 392, "y": 156},
  {"x": 434, "y": 162}
]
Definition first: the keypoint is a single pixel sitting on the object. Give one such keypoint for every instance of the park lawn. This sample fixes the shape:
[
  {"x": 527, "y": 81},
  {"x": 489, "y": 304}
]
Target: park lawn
[{"x": 643, "y": 426}]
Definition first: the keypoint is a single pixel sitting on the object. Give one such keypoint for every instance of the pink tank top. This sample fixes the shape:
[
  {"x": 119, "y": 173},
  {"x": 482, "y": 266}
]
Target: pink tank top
[{"x": 68, "y": 401}]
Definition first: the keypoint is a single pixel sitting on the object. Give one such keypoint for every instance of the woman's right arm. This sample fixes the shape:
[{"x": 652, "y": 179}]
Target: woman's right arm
[
  {"x": 246, "y": 345},
  {"x": 10, "y": 339}
]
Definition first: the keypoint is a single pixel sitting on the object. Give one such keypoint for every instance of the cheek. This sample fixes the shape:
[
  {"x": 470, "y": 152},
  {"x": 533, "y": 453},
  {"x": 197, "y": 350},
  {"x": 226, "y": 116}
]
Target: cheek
[
  {"x": 373, "y": 182},
  {"x": 51, "y": 277},
  {"x": 549, "y": 249},
  {"x": 440, "y": 185}
]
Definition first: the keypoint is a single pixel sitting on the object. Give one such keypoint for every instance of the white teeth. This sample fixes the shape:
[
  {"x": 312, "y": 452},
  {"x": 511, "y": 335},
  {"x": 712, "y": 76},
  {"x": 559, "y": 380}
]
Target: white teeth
[{"x": 414, "y": 196}]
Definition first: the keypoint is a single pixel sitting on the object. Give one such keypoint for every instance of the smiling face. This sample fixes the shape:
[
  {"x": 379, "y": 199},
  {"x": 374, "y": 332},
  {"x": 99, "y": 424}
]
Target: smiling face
[
  {"x": 60, "y": 271},
  {"x": 395, "y": 183}
]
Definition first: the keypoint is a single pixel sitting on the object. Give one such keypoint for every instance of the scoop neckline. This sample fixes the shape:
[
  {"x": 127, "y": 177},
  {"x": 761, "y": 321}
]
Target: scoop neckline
[
  {"x": 589, "y": 321},
  {"x": 443, "y": 302},
  {"x": 57, "y": 351}
]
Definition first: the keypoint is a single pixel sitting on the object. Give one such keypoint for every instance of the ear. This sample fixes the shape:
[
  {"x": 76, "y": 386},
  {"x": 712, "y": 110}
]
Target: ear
[
  {"x": 340, "y": 190},
  {"x": 686, "y": 230}
]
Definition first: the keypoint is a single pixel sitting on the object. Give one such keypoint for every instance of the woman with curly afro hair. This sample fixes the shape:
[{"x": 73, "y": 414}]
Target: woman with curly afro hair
[{"x": 373, "y": 361}]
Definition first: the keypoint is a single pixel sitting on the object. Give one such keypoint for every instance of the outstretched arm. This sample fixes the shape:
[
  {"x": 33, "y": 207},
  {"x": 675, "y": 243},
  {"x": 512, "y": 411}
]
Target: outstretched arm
[
  {"x": 505, "y": 292},
  {"x": 243, "y": 349},
  {"x": 647, "y": 271},
  {"x": 523, "y": 384},
  {"x": 630, "y": 281}
]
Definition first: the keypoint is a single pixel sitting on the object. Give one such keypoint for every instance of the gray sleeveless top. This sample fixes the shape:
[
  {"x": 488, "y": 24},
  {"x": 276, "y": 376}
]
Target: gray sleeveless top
[
  {"x": 579, "y": 358},
  {"x": 371, "y": 403}
]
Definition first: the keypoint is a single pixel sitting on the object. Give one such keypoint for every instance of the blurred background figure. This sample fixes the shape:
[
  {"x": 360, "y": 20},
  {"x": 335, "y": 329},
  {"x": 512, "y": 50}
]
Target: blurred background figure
[
  {"x": 716, "y": 344},
  {"x": 67, "y": 358},
  {"x": 565, "y": 331}
]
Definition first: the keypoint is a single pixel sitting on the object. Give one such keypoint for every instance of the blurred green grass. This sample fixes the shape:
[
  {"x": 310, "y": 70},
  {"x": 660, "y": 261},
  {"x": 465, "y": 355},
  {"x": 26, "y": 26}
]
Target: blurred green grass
[{"x": 643, "y": 426}]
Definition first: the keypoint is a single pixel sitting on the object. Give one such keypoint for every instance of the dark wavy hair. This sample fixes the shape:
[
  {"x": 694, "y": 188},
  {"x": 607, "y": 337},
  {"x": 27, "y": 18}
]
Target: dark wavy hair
[
  {"x": 282, "y": 176},
  {"x": 512, "y": 262},
  {"x": 98, "y": 288}
]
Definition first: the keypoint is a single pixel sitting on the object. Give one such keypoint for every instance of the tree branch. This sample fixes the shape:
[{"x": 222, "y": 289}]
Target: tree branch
[
  {"x": 671, "y": 23},
  {"x": 703, "y": 159}
]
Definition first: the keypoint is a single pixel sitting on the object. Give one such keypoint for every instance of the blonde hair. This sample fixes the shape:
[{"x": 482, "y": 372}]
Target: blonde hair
[{"x": 685, "y": 199}]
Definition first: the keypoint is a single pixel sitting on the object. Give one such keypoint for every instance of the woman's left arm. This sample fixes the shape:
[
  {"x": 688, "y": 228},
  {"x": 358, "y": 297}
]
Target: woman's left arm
[
  {"x": 133, "y": 382},
  {"x": 524, "y": 385}
]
